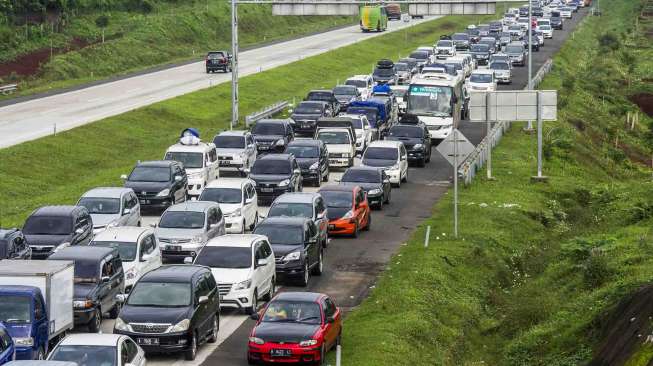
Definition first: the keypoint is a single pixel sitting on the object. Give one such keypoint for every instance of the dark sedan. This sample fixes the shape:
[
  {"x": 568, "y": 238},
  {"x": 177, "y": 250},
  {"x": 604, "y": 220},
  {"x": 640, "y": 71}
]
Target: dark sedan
[
  {"x": 373, "y": 181},
  {"x": 313, "y": 159},
  {"x": 306, "y": 115},
  {"x": 481, "y": 53}
]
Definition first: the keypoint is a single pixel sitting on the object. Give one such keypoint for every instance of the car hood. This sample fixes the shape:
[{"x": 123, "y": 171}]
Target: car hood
[
  {"x": 47, "y": 239},
  {"x": 365, "y": 186},
  {"x": 268, "y": 178},
  {"x": 345, "y": 98},
  {"x": 281, "y": 249},
  {"x": 267, "y": 138},
  {"x": 285, "y": 331},
  {"x": 379, "y": 162},
  {"x": 19, "y": 330},
  {"x": 228, "y": 208},
  {"x": 147, "y": 186},
  {"x": 306, "y": 163},
  {"x": 408, "y": 141},
  {"x": 229, "y": 151},
  {"x": 305, "y": 117},
  {"x": 338, "y": 149},
  {"x": 231, "y": 275},
  {"x": 103, "y": 219},
  {"x": 177, "y": 233},
  {"x": 152, "y": 314},
  {"x": 82, "y": 291}
]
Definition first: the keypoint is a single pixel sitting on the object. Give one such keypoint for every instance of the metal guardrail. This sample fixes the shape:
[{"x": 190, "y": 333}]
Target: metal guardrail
[
  {"x": 8, "y": 89},
  {"x": 475, "y": 161},
  {"x": 265, "y": 113}
]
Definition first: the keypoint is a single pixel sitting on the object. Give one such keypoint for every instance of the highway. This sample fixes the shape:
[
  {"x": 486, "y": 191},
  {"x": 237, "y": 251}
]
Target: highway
[
  {"x": 353, "y": 265},
  {"x": 40, "y": 117}
]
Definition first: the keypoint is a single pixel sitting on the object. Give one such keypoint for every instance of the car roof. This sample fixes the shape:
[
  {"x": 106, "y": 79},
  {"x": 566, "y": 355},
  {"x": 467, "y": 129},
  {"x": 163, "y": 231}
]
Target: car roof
[
  {"x": 297, "y": 197},
  {"x": 299, "y": 296},
  {"x": 82, "y": 253},
  {"x": 91, "y": 339},
  {"x": 107, "y": 192},
  {"x": 359, "y": 77},
  {"x": 385, "y": 143},
  {"x": 56, "y": 210},
  {"x": 337, "y": 187},
  {"x": 228, "y": 183},
  {"x": 321, "y": 91},
  {"x": 201, "y": 146},
  {"x": 293, "y": 221},
  {"x": 175, "y": 273},
  {"x": 318, "y": 102},
  {"x": 235, "y": 240},
  {"x": 194, "y": 206},
  {"x": 276, "y": 157},
  {"x": 233, "y": 133},
  {"x": 157, "y": 163},
  {"x": 306, "y": 142},
  {"x": 273, "y": 120},
  {"x": 122, "y": 233},
  {"x": 483, "y": 71}
]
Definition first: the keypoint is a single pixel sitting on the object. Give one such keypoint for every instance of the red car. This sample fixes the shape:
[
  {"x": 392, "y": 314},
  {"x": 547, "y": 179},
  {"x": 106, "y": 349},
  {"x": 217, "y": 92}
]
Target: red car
[
  {"x": 295, "y": 327},
  {"x": 347, "y": 208}
]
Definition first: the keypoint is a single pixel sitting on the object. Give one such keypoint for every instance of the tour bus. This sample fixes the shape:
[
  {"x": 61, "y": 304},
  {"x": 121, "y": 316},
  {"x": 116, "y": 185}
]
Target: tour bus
[{"x": 438, "y": 100}]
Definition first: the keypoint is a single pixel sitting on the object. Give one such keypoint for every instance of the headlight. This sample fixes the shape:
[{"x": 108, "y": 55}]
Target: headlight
[
  {"x": 418, "y": 146},
  {"x": 374, "y": 191},
  {"x": 256, "y": 340},
  {"x": 348, "y": 215},
  {"x": 314, "y": 166},
  {"x": 163, "y": 193},
  {"x": 197, "y": 239},
  {"x": 308, "y": 343},
  {"x": 294, "y": 256},
  {"x": 26, "y": 341},
  {"x": 83, "y": 304},
  {"x": 121, "y": 325},
  {"x": 61, "y": 246},
  {"x": 242, "y": 285},
  {"x": 284, "y": 183},
  {"x": 131, "y": 274},
  {"x": 280, "y": 143},
  {"x": 235, "y": 213},
  {"x": 182, "y": 326}
]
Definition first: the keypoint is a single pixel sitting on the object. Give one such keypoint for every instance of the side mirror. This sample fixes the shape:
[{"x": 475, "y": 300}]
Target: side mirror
[
  {"x": 123, "y": 177},
  {"x": 249, "y": 200},
  {"x": 262, "y": 262},
  {"x": 188, "y": 260},
  {"x": 79, "y": 231},
  {"x": 213, "y": 226},
  {"x": 246, "y": 170},
  {"x": 153, "y": 224},
  {"x": 331, "y": 320},
  {"x": 320, "y": 215},
  {"x": 19, "y": 240},
  {"x": 121, "y": 298},
  {"x": 251, "y": 146},
  {"x": 297, "y": 171},
  {"x": 106, "y": 279},
  {"x": 126, "y": 211},
  {"x": 386, "y": 181},
  {"x": 146, "y": 257},
  {"x": 255, "y": 316},
  {"x": 178, "y": 178},
  {"x": 337, "y": 180},
  {"x": 203, "y": 300}
]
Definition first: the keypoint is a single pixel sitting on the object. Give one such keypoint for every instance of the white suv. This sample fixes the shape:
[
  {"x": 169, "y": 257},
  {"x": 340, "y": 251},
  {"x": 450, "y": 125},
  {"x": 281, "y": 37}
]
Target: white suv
[
  {"x": 364, "y": 83},
  {"x": 200, "y": 161},
  {"x": 236, "y": 150},
  {"x": 238, "y": 202},
  {"x": 244, "y": 267},
  {"x": 390, "y": 156}
]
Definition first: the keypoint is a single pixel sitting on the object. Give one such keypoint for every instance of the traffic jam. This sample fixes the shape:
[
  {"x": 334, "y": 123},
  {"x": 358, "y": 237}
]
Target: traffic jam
[{"x": 218, "y": 227}]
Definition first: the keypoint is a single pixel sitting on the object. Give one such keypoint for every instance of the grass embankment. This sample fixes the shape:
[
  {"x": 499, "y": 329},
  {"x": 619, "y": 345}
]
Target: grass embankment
[
  {"x": 57, "y": 169},
  {"x": 171, "y": 32},
  {"x": 538, "y": 269}
]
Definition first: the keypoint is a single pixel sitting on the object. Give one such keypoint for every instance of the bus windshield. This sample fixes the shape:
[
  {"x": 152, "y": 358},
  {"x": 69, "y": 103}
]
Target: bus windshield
[{"x": 426, "y": 100}]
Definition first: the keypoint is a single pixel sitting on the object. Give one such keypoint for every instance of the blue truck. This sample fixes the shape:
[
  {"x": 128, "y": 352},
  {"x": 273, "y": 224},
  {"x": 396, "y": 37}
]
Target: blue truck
[{"x": 36, "y": 304}]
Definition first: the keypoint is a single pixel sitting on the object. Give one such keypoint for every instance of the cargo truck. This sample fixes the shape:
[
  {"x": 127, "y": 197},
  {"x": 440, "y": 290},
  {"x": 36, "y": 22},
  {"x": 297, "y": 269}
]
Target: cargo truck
[{"x": 36, "y": 304}]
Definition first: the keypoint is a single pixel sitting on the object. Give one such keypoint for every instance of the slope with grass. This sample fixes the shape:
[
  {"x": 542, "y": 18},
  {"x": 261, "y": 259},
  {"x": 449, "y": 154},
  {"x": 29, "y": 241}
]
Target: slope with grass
[{"x": 542, "y": 274}]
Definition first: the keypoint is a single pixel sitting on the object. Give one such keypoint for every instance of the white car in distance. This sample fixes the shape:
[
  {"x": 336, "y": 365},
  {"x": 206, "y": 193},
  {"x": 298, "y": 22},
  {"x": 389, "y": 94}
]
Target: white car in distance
[
  {"x": 482, "y": 80},
  {"x": 99, "y": 349},
  {"x": 111, "y": 207},
  {"x": 238, "y": 202},
  {"x": 138, "y": 248},
  {"x": 363, "y": 129},
  {"x": 364, "y": 83},
  {"x": 244, "y": 267},
  {"x": 236, "y": 150},
  {"x": 199, "y": 159},
  {"x": 391, "y": 156}
]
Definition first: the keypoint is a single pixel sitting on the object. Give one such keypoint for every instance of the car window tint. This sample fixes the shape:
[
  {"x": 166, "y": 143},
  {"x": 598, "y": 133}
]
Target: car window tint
[
  {"x": 267, "y": 248},
  {"x": 129, "y": 351}
]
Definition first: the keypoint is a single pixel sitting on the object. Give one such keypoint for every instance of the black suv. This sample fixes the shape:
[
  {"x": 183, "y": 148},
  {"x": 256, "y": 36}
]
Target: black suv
[
  {"x": 373, "y": 181},
  {"x": 327, "y": 96},
  {"x": 313, "y": 159},
  {"x": 158, "y": 184},
  {"x": 296, "y": 245},
  {"x": 99, "y": 278},
  {"x": 556, "y": 20},
  {"x": 416, "y": 139},
  {"x": 174, "y": 308},
  {"x": 272, "y": 135},
  {"x": 50, "y": 227},
  {"x": 345, "y": 95},
  {"x": 218, "y": 60},
  {"x": 307, "y": 113},
  {"x": 275, "y": 175},
  {"x": 13, "y": 245}
]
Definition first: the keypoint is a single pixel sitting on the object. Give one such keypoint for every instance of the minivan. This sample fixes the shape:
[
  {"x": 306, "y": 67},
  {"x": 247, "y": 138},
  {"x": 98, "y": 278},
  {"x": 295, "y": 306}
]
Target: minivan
[
  {"x": 158, "y": 184},
  {"x": 391, "y": 156},
  {"x": 275, "y": 175},
  {"x": 50, "y": 228}
]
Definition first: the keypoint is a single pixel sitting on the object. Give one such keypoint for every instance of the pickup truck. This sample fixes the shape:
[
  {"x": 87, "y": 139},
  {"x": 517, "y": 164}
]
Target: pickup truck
[
  {"x": 339, "y": 136},
  {"x": 39, "y": 311}
]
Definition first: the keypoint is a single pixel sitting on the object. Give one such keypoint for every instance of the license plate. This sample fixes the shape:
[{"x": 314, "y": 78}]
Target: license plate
[
  {"x": 267, "y": 189},
  {"x": 280, "y": 352},
  {"x": 336, "y": 162},
  {"x": 225, "y": 162},
  {"x": 306, "y": 125},
  {"x": 264, "y": 148},
  {"x": 173, "y": 248},
  {"x": 148, "y": 341},
  {"x": 332, "y": 227},
  {"x": 144, "y": 202}
]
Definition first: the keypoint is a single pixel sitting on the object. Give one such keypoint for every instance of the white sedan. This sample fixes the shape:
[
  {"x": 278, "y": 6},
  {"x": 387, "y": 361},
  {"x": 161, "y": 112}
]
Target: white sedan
[{"x": 92, "y": 349}]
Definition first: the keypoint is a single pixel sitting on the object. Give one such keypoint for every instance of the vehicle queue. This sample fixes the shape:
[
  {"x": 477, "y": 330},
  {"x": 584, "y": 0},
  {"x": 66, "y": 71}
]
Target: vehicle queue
[{"x": 213, "y": 247}]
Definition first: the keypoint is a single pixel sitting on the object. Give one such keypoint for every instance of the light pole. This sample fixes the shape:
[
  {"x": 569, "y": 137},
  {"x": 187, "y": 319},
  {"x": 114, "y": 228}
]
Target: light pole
[
  {"x": 234, "y": 63},
  {"x": 529, "y": 127}
]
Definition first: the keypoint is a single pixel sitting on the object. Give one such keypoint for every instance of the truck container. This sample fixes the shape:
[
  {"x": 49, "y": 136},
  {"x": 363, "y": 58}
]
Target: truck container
[{"x": 36, "y": 303}]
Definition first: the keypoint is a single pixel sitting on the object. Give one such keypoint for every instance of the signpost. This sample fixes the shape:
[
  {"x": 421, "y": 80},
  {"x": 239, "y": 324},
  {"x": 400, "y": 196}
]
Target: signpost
[{"x": 234, "y": 63}]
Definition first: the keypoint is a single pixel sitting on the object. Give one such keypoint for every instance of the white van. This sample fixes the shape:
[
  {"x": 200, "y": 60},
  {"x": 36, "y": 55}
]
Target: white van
[
  {"x": 238, "y": 202},
  {"x": 390, "y": 156},
  {"x": 200, "y": 161}
]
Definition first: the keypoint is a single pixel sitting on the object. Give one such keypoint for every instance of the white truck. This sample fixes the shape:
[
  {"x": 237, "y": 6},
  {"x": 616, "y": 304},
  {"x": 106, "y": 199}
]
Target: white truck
[{"x": 36, "y": 303}]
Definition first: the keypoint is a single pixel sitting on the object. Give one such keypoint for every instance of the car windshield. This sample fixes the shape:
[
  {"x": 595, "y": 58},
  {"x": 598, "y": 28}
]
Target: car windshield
[
  {"x": 420, "y": 55},
  {"x": 460, "y": 37},
  {"x": 85, "y": 271},
  {"x": 361, "y": 176},
  {"x": 85, "y": 355},
  {"x": 292, "y": 312},
  {"x": 104, "y": 206},
  {"x": 15, "y": 309},
  {"x": 276, "y": 167},
  {"x": 406, "y": 131},
  {"x": 499, "y": 66},
  {"x": 514, "y": 49},
  {"x": 303, "y": 152},
  {"x": 182, "y": 220},
  {"x": 370, "y": 113},
  {"x": 357, "y": 83},
  {"x": 545, "y": 27},
  {"x": 337, "y": 199},
  {"x": 454, "y": 65},
  {"x": 222, "y": 195},
  {"x": 381, "y": 153},
  {"x": 268, "y": 129},
  {"x": 190, "y": 160},
  {"x": 344, "y": 90},
  {"x": 399, "y": 93},
  {"x": 481, "y": 78},
  {"x": 216, "y": 55},
  {"x": 162, "y": 294},
  {"x": 308, "y": 108},
  {"x": 444, "y": 44},
  {"x": 150, "y": 174},
  {"x": 430, "y": 100},
  {"x": 474, "y": 32},
  {"x": 384, "y": 71},
  {"x": 126, "y": 249},
  {"x": 283, "y": 209},
  {"x": 480, "y": 47},
  {"x": 225, "y": 257},
  {"x": 48, "y": 225},
  {"x": 324, "y": 96},
  {"x": 401, "y": 67},
  {"x": 281, "y": 234},
  {"x": 333, "y": 138},
  {"x": 229, "y": 142}
]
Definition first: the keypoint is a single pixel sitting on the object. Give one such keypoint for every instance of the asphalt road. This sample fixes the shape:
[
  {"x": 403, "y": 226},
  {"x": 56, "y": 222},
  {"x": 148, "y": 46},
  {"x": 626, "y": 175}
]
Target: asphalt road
[
  {"x": 36, "y": 118},
  {"x": 353, "y": 265}
]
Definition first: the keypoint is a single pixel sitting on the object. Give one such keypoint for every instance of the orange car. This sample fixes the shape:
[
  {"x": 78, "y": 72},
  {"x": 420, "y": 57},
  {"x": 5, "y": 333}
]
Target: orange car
[{"x": 348, "y": 209}]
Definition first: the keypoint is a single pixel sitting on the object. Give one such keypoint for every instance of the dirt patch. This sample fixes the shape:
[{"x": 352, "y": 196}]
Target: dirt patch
[
  {"x": 644, "y": 101},
  {"x": 625, "y": 329}
]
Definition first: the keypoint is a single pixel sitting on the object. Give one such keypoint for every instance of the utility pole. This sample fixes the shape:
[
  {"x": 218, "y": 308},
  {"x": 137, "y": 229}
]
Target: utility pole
[
  {"x": 234, "y": 63},
  {"x": 529, "y": 127}
]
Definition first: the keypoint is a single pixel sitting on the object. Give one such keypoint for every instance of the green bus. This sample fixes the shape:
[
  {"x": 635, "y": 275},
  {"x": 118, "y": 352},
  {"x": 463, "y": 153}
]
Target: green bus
[{"x": 373, "y": 18}]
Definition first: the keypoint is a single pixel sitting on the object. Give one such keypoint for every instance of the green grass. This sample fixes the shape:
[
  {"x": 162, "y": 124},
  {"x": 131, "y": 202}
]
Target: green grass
[
  {"x": 58, "y": 169},
  {"x": 173, "y": 32},
  {"x": 537, "y": 267}
]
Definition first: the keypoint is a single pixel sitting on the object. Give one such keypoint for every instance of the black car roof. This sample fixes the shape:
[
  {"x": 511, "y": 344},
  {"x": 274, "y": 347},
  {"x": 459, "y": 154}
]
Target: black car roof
[
  {"x": 277, "y": 157},
  {"x": 173, "y": 273},
  {"x": 336, "y": 187},
  {"x": 273, "y": 121},
  {"x": 299, "y": 296},
  {"x": 292, "y": 221},
  {"x": 57, "y": 210},
  {"x": 85, "y": 253},
  {"x": 364, "y": 168},
  {"x": 306, "y": 142},
  {"x": 157, "y": 163}
]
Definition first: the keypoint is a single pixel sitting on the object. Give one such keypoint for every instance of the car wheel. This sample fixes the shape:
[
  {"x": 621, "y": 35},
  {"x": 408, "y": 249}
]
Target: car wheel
[
  {"x": 242, "y": 228},
  {"x": 96, "y": 322},
  {"x": 40, "y": 355},
  {"x": 369, "y": 222},
  {"x": 251, "y": 361},
  {"x": 317, "y": 270},
  {"x": 428, "y": 157},
  {"x": 326, "y": 177},
  {"x": 191, "y": 352},
  {"x": 272, "y": 291},
  {"x": 421, "y": 163},
  {"x": 322, "y": 360},
  {"x": 318, "y": 181},
  {"x": 253, "y": 225},
  {"x": 304, "y": 280},
  {"x": 115, "y": 311},
  {"x": 252, "y": 309},
  {"x": 356, "y": 231},
  {"x": 214, "y": 331},
  {"x": 405, "y": 178},
  {"x": 300, "y": 187}
]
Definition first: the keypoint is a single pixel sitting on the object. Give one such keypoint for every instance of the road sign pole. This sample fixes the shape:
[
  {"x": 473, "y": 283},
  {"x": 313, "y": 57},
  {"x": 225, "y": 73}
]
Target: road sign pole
[
  {"x": 539, "y": 135},
  {"x": 234, "y": 63},
  {"x": 488, "y": 127},
  {"x": 455, "y": 183},
  {"x": 529, "y": 127}
]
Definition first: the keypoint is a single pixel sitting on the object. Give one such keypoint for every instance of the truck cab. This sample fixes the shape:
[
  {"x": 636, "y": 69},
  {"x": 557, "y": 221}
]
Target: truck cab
[
  {"x": 200, "y": 160},
  {"x": 22, "y": 310}
]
